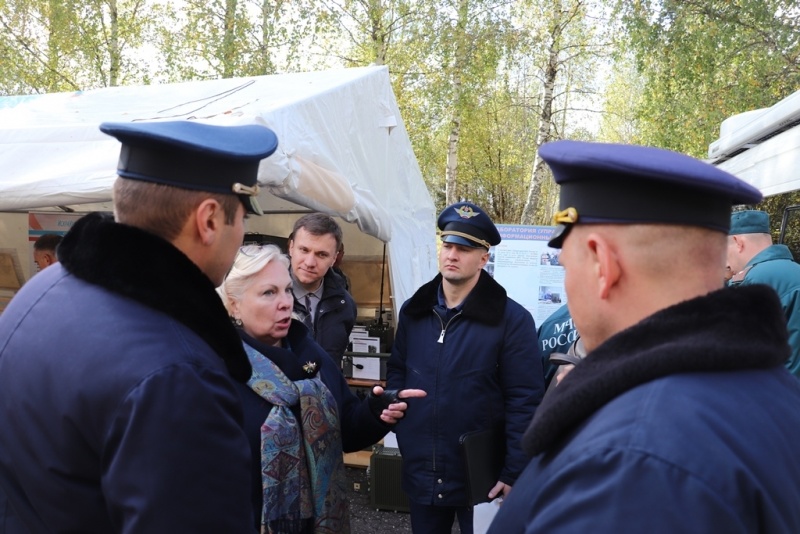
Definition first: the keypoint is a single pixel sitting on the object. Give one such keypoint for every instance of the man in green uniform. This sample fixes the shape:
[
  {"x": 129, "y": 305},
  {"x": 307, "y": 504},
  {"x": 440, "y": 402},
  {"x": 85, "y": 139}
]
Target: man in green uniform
[{"x": 755, "y": 260}]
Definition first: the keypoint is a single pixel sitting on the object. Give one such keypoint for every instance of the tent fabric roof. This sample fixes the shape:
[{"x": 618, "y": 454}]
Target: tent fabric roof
[
  {"x": 343, "y": 150},
  {"x": 765, "y": 146}
]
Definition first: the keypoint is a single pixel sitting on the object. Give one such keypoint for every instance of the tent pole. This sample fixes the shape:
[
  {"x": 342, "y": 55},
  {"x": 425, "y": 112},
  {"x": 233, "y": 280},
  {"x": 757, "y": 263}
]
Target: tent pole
[{"x": 383, "y": 270}]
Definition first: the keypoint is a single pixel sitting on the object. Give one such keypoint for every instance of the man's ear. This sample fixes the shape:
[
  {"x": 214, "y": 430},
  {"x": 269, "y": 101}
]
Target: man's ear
[
  {"x": 208, "y": 220},
  {"x": 738, "y": 242},
  {"x": 606, "y": 267}
]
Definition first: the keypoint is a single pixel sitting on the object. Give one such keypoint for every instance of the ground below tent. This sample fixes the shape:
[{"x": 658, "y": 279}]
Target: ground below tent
[{"x": 367, "y": 520}]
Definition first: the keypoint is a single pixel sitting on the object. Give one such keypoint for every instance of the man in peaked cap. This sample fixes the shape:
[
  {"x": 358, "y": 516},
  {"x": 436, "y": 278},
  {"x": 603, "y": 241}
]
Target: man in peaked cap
[
  {"x": 755, "y": 260},
  {"x": 682, "y": 417},
  {"x": 117, "y": 364},
  {"x": 474, "y": 351}
]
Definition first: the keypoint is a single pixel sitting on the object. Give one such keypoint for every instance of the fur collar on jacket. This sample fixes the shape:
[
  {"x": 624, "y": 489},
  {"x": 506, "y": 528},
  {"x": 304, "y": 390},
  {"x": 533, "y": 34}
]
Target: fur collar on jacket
[
  {"x": 486, "y": 303},
  {"x": 729, "y": 329},
  {"x": 148, "y": 269}
]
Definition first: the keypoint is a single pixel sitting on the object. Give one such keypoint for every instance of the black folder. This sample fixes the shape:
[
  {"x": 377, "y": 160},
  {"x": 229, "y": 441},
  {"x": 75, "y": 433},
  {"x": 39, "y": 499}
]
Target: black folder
[{"x": 484, "y": 454}]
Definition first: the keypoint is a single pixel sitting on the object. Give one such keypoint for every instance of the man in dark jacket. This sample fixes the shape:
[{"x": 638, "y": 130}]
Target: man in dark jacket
[
  {"x": 755, "y": 260},
  {"x": 682, "y": 417},
  {"x": 118, "y": 407},
  {"x": 474, "y": 351},
  {"x": 321, "y": 300}
]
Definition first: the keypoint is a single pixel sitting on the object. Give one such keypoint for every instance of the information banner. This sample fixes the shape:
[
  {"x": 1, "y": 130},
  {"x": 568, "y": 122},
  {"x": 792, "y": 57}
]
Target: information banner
[{"x": 528, "y": 269}]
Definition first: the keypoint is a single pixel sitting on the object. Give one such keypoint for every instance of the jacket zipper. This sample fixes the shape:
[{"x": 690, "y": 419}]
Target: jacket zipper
[
  {"x": 444, "y": 326},
  {"x": 440, "y": 340}
]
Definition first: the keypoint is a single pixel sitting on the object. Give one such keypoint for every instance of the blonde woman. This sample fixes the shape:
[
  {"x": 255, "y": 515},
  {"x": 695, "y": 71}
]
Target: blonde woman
[{"x": 300, "y": 415}]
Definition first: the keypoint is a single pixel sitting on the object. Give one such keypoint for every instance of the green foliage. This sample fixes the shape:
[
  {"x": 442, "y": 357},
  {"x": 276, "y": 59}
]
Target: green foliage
[
  {"x": 776, "y": 206},
  {"x": 478, "y": 67},
  {"x": 66, "y": 45},
  {"x": 620, "y": 123},
  {"x": 704, "y": 60},
  {"x": 495, "y": 154}
]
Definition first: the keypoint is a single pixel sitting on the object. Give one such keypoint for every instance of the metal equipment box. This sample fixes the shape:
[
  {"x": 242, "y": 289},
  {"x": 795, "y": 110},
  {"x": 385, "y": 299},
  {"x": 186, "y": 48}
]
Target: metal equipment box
[{"x": 385, "y": 491}]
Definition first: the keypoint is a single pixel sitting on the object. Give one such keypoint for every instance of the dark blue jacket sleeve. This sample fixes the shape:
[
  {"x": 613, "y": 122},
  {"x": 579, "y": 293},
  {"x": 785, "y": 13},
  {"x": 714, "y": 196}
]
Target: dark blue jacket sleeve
[{"x": 522, "y": 381}]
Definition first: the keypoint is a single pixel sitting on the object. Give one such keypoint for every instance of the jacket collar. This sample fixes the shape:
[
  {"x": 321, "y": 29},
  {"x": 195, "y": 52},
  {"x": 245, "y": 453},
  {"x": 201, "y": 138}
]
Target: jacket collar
[
  {"x": 331, "y": 286},
  {"x": 486, "y": 303},
  {"x": 727, "y": 330},
  {"x": 143, "y": 267},
  {"x": 772, "y": 252}
]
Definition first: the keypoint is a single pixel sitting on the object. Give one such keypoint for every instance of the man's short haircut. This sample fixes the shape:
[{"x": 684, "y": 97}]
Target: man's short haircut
[
  {"x": 318, "y": 224},
  {"x": 162, "y": 209},
  {"x": 47, "y": 242}
]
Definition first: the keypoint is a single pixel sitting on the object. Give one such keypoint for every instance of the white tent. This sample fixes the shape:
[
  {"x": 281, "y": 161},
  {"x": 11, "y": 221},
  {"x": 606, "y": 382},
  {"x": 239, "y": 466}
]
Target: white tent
[
  {"x": 343, "y": 150},
  {"x": 762, "y": 146}
]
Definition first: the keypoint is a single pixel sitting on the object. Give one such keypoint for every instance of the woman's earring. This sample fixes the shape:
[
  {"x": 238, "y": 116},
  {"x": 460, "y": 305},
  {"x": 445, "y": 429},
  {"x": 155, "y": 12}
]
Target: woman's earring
[{"x": 237, "y": 321}]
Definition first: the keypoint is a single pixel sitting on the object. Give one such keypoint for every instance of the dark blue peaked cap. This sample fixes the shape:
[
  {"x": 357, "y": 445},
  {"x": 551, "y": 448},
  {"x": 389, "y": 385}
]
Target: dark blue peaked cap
[
  {"x": 464, "y": 223},
  {"x": 628, "y": 184},
  {"x": 193, "y": 155}
]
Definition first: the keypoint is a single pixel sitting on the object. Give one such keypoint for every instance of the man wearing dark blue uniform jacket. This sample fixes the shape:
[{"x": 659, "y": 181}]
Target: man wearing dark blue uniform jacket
[
  {"x": 682, "y": 417},
  {"x": 118, "y": 407},
  {"x": 474, "y": 351}
]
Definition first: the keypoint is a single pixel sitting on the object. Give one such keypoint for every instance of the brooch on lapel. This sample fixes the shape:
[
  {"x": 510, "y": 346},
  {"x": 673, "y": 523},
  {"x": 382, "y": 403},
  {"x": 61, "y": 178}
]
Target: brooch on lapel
[{"x": 310, "y": 367}]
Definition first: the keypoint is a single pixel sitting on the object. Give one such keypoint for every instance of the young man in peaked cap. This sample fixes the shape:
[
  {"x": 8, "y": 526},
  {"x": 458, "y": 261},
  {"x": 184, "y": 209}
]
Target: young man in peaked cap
[
  {"x": 118, "y": 410},
  {"x": 753, "y": 259},
  {"x": 474, "y": 351},
  {"x": 682, "y": 417}
]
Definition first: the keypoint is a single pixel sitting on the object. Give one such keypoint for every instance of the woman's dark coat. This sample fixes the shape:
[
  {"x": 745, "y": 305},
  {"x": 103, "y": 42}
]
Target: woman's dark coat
[{"x": 360, "y": 428}]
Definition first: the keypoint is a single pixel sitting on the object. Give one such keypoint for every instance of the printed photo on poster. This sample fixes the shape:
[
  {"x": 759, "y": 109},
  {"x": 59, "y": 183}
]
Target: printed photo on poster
[{"x": 528, "y": 269}]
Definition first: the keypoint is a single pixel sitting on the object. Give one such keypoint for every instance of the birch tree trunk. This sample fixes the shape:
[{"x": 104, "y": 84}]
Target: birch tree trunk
[
  {"x": 379, "y": 35},
  {"x": 269, "y": 14},
  {"x": 114, "y": 49},
  {"x": 451, "y": 171},
  {"x": 539, "y": 173},
  {"x": 229, "y": 49}
]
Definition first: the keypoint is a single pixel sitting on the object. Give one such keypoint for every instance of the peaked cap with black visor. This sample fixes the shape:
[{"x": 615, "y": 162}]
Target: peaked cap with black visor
[
  {"x": 604, "y": 183},
  {"x": 464, "y": 223},
  {"x": 194, "y": 155}
]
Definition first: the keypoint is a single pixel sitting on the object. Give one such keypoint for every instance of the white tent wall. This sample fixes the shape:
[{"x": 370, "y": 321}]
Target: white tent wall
[
  {"x": 762, "y": 147},
  {"x": 772, "y": 166},
  {"x": 343, "y": 150}
]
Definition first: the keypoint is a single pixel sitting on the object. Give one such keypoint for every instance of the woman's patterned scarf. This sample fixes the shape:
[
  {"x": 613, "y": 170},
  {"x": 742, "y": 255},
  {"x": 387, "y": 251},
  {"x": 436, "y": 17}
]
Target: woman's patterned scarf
[{"x": 302, "y": 468}]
